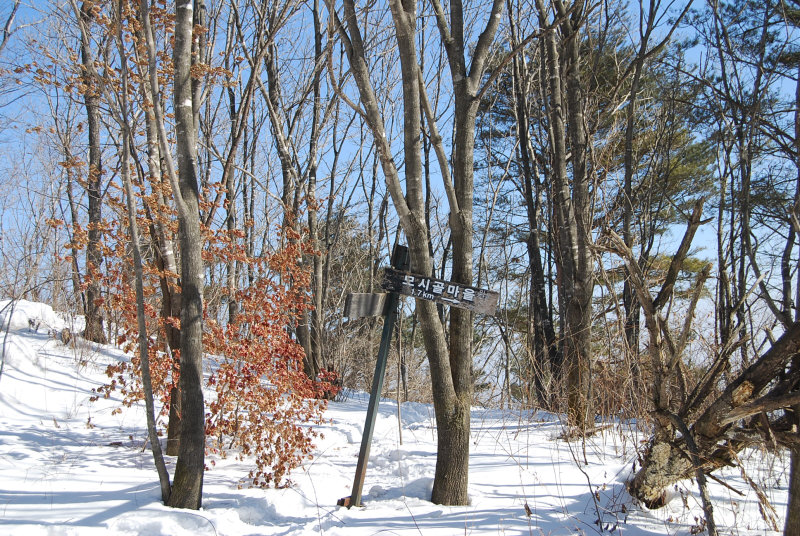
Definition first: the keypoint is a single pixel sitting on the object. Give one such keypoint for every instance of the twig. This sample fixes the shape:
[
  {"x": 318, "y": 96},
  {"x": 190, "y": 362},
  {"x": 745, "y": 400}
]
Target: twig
[
  {"x": 723, "y": 483},
  {"x": 766, "y": 509}
]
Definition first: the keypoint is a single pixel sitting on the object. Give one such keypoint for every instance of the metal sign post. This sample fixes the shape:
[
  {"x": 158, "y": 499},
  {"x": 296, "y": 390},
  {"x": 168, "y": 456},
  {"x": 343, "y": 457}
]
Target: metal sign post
[
  {"x": 399, "y": 261},
  {"x": 397, "y": 281}
]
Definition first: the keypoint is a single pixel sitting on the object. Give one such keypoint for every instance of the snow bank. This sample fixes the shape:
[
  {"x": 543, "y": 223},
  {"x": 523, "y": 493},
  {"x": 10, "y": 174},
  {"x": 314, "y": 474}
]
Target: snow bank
[{"x": 17, "y": 315}]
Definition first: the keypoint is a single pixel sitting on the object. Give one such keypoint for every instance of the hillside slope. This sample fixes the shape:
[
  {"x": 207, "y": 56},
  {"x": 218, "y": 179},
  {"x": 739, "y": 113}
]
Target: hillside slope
[{"x": 72, "y": 467}]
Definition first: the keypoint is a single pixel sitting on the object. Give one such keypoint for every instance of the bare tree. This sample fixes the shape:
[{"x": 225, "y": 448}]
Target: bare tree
[
  {"x": 451, "y": 364},
  {"x": 163, "y": 238},
  {"x": 188, "y": 481},
  {"x": 122, "y": 115},
  {"x": 187, "y": 488},
  {"x": 713, "y": 425},
  {"x": 572, "y": 202},
  {"x": 94, "y": 186}
]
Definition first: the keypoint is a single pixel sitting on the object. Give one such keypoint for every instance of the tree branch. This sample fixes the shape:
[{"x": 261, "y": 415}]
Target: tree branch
[
  {"x": 680, "y": 256},
  {"x": 484, "y": 42},
  {"x": 770, "y": 402},
  {"x": 7, "y": 31},
  {"x": 436, "y": 140}
]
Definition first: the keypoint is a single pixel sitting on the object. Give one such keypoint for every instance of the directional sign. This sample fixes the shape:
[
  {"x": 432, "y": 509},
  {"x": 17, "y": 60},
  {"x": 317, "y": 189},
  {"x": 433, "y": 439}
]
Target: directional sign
[
  {"x": 439, "y": 291},
  {"x": 358, "y": 305}
]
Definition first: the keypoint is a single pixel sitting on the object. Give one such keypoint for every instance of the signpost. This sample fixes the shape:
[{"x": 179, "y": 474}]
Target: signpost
[
  {"x": 369, "y": 305},
  {"x": 397, "y": 281}
]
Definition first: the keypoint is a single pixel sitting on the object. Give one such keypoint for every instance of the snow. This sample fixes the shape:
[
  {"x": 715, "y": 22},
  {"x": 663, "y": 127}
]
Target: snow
[
  {"x": 72, "y": 467},
  {"x": 18, "y": 314}
]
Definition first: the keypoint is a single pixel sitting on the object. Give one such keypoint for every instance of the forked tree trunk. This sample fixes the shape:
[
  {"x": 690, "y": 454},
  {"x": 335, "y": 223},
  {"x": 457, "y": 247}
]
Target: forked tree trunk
[
  {"x": 144, "y": 340},
  {"x": 166, "y": 262},
  {"x": 450, "y": 367},
  {"x": 164, "y": 257},
  {"x": 188, "y": 481}
]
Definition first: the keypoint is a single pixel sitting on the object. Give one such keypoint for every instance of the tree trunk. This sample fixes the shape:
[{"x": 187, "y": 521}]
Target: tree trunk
[
  {"x": 166, "y": 263},
  {"x": 792, "y": 527},
  {"x": 580, "y": 287},
  {"x": 94, "y": 256},
  {"x": 144, "y": 340},
  {"x": 571, "y": 206},
  {"x": 188, "y": 482},
  {"x": 452, "y": 462},
  {"x": 123, "y": 118},
  {"x": 73, "y": 212},
  {"x": 450, "y": 368}
]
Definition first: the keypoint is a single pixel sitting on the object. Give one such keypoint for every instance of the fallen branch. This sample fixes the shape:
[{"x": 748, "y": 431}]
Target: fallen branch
[{"x": 769, "y": 402}]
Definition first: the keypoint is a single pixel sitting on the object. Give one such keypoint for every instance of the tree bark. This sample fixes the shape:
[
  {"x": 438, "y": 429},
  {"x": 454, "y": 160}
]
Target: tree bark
[
  {"x": 144, "y": 340},
  {"x": 94, "y": 255},
  {"x": 793, "y": 507},
  {"x": 578, "y": 288},
  {"x": 165, "y": 258}
]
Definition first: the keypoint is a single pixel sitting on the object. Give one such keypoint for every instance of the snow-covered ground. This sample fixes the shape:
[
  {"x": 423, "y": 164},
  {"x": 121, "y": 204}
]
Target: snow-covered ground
[{"x": 72, "y": 467}]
